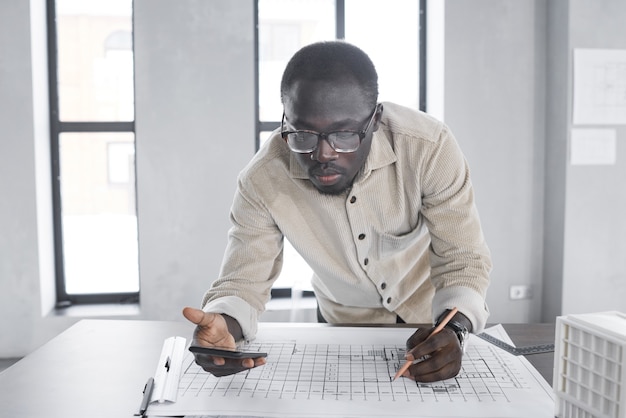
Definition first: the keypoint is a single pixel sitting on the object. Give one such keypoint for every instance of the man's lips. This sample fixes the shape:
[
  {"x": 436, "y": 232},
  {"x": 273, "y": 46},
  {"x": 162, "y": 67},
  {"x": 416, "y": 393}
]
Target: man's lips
[
  {"x": 329, "y": 179},
  {"x": 326, "y": 177}
]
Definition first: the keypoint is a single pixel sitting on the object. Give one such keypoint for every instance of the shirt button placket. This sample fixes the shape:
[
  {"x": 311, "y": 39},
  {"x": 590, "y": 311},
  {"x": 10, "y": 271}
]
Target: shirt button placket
[
  {"x": 361, "y": 237},
  {"x": 356, "y": 224}
]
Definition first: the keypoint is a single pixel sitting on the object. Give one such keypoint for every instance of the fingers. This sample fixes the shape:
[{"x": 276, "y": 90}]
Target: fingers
[
  {"x": 220, "y": 366},
  {"x": 443, "y": 364},
  {"x": 418, "y": 336},
  {"x": 227, "y": 366},
  {"x": 221, "y": 361},
  {"x": 248, "y": 362},
  {"x": 441, "y": 354},
  {"x": 212, "y": 331}
]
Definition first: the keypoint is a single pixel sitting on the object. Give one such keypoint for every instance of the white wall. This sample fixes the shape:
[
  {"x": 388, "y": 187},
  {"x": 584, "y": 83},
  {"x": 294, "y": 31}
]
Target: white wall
[
  {"x": 25, "y": 219},
  {"x": 494, "y": 103},
  {"x": 550, "y": 225},
  {"x": 195, "y": 130},
  {"x": 195, "y": 112},
  {"x": 585, "y": 268},
  {"x": 594, "y": 255}
]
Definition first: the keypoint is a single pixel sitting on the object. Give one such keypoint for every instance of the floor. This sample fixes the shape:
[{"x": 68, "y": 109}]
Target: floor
[{"x": 6, "y": 362}]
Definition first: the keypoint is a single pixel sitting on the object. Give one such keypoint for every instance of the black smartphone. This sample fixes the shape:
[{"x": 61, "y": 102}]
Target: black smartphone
[{"x": 223, "y": 352}]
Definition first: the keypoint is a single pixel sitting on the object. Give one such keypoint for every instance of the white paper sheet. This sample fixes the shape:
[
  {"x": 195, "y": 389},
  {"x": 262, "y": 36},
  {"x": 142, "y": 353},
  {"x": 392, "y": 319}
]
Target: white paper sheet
[
  {"x": 599, "y": 86},
  {"x": 346, "y": 372},
  {"x": 593, "y": 147}
]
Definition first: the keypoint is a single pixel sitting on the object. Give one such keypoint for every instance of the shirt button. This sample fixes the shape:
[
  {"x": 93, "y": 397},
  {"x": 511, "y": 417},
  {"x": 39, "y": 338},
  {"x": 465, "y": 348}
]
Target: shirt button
[
  {"x": 388, "y": 300},
  {"x": 366, "y": 261},
  {"x": 353, "y": 199},
  {"x": 383, "y": 285},
  {"x": 361, "y": 236}
]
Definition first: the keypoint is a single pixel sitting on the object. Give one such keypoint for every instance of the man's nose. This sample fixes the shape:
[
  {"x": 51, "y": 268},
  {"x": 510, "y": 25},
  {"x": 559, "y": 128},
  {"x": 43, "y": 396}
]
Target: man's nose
[{"x": 324, "y": 152}]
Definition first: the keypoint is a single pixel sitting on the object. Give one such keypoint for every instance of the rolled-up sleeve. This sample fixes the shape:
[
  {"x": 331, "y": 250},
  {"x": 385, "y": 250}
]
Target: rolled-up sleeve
[
  {"x": 459, "y": 257},
  {"x": 252, "y": 262}
]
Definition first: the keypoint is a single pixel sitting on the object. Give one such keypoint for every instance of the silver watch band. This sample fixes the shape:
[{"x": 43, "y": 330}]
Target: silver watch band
[{"x": 461, "y": 331}]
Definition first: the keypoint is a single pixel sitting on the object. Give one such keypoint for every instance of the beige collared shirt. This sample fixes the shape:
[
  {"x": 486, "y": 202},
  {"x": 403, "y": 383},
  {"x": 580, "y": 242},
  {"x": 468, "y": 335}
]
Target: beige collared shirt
[{"x": 404, "y": 241}]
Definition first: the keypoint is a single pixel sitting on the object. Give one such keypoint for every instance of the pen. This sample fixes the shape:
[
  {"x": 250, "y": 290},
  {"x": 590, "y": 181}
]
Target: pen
[
  {"x": 147, "y": 394},
  {"x": 439, "y": 327}
]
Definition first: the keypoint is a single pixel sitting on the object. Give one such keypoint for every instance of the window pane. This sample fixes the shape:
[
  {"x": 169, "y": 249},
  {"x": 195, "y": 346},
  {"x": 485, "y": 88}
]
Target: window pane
[
  {"x": 95, "y": 60},
  {"x": 284, "y": 27},
  {"x": 98, "y": 212},
  {"x": 263, "y": 137},
  {"x": 296, "y": 273},
  {"x": 393, "y": 44}
]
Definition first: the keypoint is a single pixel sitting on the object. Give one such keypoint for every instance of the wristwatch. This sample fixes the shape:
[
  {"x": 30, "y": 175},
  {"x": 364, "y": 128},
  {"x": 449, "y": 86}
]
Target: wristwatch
[{"x": 461, "y": 331}]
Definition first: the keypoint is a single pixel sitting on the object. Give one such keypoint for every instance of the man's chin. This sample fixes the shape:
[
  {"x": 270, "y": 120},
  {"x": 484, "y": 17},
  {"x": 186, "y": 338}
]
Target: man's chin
[{"x": 333, "y": 190}]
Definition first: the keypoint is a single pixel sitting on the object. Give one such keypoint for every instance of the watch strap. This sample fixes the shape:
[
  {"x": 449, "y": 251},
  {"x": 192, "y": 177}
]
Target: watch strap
[{"x": 458, "y": 328}]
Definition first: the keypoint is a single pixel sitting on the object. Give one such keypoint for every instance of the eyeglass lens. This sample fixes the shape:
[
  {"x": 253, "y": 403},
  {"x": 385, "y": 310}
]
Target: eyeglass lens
[
  {"x": 308, "y": 141},
  {"x": 340, "y": 141}
]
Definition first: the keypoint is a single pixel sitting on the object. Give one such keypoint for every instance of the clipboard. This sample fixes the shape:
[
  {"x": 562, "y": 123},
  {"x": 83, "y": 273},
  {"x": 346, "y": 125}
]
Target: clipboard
[{"x": 169, "y": 370}]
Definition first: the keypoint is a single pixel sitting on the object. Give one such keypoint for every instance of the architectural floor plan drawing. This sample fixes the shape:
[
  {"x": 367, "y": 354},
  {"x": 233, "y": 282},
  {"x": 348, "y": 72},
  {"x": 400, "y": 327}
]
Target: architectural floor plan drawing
[{"x": 333, "y": 371}]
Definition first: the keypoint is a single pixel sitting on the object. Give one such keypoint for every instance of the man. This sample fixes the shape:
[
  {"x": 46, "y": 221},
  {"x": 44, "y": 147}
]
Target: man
[{"x": 375, "y": 197}]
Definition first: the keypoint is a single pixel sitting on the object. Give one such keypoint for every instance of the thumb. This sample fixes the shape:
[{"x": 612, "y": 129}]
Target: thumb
[{"x": 197, "y": 316}]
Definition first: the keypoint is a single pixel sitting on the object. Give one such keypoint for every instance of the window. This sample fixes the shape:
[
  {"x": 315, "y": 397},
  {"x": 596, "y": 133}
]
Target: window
[
  {"x": 393, "y": 36},
  {"x": 93, "y": 148},
  {"x": 390, "y": 36}
]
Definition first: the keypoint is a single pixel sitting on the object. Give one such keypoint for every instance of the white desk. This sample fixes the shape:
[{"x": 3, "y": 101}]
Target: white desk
[{"x": 97, "y": 368}]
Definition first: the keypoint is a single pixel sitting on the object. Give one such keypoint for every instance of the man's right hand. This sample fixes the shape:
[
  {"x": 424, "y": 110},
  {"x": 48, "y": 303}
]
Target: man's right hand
[{"x": 212, "y": 330}]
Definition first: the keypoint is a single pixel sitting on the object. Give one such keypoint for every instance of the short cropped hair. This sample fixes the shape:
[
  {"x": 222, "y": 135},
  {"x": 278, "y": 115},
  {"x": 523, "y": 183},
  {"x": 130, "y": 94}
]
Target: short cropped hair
[{"x": 331, "y": 61}]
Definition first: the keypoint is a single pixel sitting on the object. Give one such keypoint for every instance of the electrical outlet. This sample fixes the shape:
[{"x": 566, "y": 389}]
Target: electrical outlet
[{"x": 518, "y": 292}]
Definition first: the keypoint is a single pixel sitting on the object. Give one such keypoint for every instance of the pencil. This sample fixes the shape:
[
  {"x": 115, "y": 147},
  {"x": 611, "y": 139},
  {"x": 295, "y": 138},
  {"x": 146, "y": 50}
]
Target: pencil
[{"x": 439, "y": 327}]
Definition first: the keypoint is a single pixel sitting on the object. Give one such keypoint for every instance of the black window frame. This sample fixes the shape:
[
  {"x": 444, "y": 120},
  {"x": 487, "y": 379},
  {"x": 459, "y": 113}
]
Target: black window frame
[
  {"x": 340, "y": 33},
  {"x": 58, "y": 127}
]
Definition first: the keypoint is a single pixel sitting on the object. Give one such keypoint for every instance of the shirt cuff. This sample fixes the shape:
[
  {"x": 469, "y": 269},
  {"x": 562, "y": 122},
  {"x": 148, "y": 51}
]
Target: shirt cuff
[
  {"x": 238, "y": 309},
  {"x": 469, "y": 302}
]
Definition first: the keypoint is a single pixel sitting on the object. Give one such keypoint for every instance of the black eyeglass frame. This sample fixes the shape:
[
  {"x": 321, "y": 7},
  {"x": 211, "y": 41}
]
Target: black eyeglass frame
[{"x": 326, "y": 135}]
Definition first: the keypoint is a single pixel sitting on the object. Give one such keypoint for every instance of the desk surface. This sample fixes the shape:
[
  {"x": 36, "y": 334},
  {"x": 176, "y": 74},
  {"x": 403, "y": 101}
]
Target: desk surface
[{"x": 98, "y": 368}]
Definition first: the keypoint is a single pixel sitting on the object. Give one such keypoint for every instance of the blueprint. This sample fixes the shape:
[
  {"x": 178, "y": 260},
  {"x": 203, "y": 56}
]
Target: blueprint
[{"x": 314, "y": 371}]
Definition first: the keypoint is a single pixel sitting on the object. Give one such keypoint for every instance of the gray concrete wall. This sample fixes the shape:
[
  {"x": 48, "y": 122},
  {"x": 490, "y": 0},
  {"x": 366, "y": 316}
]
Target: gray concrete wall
[
  {"x": 495, "y": 75},
  {"x": 195, "y": 113}
]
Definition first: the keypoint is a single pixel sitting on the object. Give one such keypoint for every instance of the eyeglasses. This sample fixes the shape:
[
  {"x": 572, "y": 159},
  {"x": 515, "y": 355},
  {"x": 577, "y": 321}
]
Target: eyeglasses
[{"x": 303, "y": 141}]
